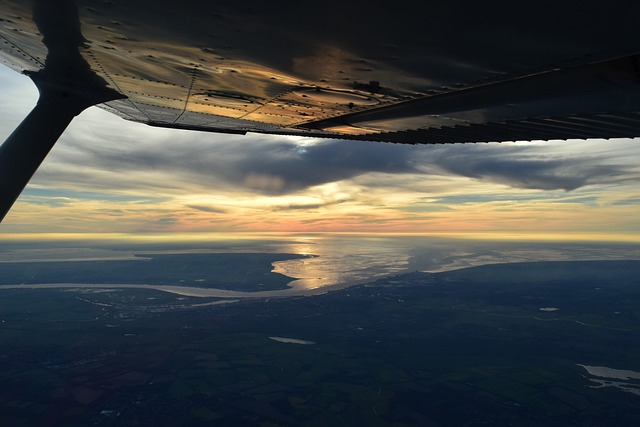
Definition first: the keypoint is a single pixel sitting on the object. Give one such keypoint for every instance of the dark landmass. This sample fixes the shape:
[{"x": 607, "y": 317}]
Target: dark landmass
[
  {"x": 240, "y": 272},
  {"x": 469, "y": 347}
]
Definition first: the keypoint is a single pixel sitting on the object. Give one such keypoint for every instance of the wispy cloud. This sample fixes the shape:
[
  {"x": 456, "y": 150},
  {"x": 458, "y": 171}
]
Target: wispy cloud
[{"x": 204, "y": 208}]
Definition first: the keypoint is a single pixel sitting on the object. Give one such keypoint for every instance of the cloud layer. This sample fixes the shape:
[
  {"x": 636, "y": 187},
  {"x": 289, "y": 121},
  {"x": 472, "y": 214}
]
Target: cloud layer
[
  {"x": 96, "y": 153},
  {"x": 107, "y": 173}
]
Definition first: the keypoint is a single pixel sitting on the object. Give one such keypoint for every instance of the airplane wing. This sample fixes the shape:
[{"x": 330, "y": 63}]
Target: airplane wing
[
  {"x": 403, "y": 72},
  {"x": 413, "y": 72}
]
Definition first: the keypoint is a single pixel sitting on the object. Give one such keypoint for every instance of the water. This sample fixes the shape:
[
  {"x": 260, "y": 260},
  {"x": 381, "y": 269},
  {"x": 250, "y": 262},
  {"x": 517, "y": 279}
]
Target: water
[
  {"x": 333, "y": 259},
  {"x": 625, "y": 380},
  {"x": 352, "y": 259},
  {"x": 343, "y": 259}
]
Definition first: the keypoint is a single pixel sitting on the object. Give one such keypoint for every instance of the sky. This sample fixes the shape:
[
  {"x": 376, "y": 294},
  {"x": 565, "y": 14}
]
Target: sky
[{"x": 108, "y": 175}]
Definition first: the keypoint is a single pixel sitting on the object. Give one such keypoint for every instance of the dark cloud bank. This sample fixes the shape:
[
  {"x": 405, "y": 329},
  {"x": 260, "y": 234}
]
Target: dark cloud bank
[{"x": 272, "y": 166}]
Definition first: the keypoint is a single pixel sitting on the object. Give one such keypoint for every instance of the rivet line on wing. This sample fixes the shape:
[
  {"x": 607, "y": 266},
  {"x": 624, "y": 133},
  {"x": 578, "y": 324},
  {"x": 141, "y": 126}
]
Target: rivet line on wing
[
  {"x": 113, "y": 82},
  {"x": 194, "y": 75},
  {"x": 24, "y": 53}
]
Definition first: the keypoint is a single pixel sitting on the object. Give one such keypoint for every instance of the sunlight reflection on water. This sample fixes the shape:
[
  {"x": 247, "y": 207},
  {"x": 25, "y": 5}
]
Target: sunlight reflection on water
[
  {"x": 345, "y": 259},
  {"x": 333, "y": 260},
  {"x": 342, "y": 260}
]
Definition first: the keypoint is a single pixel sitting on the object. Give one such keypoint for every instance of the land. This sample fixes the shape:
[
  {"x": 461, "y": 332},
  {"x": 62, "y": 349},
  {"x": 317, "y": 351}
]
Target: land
[
  {"x": 241, "y": 272},
  {"x": 467, "y": 347}
]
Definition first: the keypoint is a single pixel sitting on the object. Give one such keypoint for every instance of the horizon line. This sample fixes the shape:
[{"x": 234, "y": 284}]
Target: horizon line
[{"x": 263, "y": 235}]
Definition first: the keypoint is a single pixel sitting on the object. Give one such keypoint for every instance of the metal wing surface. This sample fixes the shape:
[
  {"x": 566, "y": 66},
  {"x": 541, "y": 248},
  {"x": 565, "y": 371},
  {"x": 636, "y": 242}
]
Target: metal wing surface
[{"x": 403, "y": 71}]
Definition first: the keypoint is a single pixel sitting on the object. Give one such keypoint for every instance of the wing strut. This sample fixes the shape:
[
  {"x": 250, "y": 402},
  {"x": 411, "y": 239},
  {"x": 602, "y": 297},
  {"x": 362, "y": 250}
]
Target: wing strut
[
  {"x": 25, "y": 149},
  {"x": 67, "y": 86}
]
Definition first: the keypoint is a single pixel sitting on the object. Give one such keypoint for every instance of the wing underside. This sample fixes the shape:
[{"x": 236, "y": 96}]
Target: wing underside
[{"x": 448, "y": 73}]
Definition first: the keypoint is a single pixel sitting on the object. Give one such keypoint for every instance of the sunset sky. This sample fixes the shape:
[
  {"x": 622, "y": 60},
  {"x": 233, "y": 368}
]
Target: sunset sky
[{"x": 107, "y": 175}]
